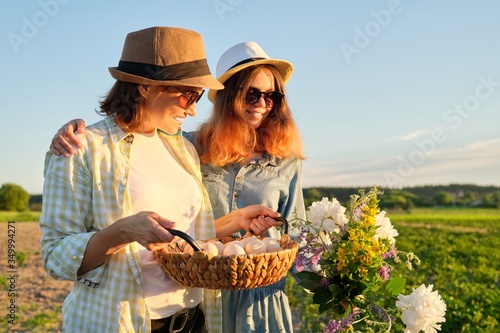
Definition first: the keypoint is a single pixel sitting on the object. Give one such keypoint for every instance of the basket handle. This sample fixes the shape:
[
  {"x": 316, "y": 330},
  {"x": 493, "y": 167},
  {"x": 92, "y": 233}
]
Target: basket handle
[
  {"x": 186, "y": 237},
  {"x": 285, "y": 223},
  {"x": 279, "y": 219},
  {"x": 195, "y": 246}
]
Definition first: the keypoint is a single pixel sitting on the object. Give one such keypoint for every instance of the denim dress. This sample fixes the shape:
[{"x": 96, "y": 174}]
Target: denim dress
[{"x": 275, "y": 183}]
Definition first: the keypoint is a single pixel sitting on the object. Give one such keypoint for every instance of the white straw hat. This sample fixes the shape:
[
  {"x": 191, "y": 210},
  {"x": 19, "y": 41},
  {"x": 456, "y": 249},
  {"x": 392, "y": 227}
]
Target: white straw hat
[{"x": 244, "y": 55}]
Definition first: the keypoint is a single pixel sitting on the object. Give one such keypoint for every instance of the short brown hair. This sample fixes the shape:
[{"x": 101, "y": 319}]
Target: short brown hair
[{"x": 123, "y": 102}]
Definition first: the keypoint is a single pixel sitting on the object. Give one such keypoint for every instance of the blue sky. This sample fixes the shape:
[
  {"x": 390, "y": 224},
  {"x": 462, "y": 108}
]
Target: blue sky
[{"x": 388, "y": 93}]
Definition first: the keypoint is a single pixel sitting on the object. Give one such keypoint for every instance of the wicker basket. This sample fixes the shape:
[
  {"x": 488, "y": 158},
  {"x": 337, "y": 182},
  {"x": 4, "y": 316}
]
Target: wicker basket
[{"x": 233, "y": 272}]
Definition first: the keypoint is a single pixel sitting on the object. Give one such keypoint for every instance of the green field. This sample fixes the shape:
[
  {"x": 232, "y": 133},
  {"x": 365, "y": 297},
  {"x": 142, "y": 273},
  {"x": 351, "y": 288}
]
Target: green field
[
  {"x": 27, "y": 216},
  {"x": 460, "y": 253}
]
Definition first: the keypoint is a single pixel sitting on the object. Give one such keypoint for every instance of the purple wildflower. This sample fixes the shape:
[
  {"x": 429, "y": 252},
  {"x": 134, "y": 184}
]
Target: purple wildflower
[
  {"x": 384, "y": 271},
  {"x": 308, "y": 257},
  {"x": 315, "y": 258},
  {"x": 299, "y": 266},
  {"x": 342, "y": 231},
  {"x": 332, "y": 326},
  {"x": 311, "y": 239},
  {"x": 299, "y": 238},
  {"x": 392, "y": 253},
  {"x": 381, "y": 314},
  {"x": 302, "y": 235},
  {"x": 325, "y": 282}
]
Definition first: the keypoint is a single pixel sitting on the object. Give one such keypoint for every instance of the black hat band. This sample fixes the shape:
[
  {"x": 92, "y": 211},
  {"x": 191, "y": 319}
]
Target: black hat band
[
  {"x": 246, "y": 61},
  {"x": 180, "y": 71}
]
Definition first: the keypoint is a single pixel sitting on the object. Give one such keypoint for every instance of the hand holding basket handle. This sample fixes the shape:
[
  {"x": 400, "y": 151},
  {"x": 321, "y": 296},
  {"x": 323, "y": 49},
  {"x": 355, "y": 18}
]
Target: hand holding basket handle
[
  {"x": 232, "y": 272},
  {"x": 195, "y": 246},
  {"x": 186, "y": 237}
]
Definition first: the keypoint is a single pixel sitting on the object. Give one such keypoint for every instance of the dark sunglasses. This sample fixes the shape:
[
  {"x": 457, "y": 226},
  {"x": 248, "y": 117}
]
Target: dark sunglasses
[
  {"x": 271, "y": 98},
  {"x": 191, "y": 96}
]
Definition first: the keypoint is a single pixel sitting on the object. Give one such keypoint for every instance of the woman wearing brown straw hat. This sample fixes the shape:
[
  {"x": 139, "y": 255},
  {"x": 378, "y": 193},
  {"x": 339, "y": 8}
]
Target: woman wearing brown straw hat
[
  {"x": 251, "y": 152},
  {"x": 108, "y": 205}
]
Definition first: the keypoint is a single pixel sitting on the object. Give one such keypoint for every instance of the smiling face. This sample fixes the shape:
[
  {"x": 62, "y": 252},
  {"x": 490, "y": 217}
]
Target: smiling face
[
  {"x": 165, "y": 108},
  {"x": 255, "y": 114}
]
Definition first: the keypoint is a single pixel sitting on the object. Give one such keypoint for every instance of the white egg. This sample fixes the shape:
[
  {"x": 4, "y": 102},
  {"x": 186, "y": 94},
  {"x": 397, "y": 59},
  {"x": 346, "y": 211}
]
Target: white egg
[
  {"x": 210, "y": 248},
  {"x": 233, "y": 248},
  {"x": 255, "y": 246},
  {"x": 234, "y": 242},
  {"x": 220, "y": 246},
  {"x": 245, "y": 240},
  {"x": 271, "y": 244}
]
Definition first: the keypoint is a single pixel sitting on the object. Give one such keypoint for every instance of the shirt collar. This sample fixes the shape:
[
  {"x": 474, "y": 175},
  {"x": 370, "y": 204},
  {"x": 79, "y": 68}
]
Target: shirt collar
[
  {"x": 268, "y": 159},
  {"x": 118, "y": 134}
]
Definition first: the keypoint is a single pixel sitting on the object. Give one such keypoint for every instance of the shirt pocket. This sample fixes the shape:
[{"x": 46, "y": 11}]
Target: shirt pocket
[
  {"x": 212, "y": 180},
  {"x": 211, "y": 176}
]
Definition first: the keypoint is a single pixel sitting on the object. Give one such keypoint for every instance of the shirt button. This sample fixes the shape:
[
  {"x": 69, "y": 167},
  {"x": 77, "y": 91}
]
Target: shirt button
[
  {"x": 236, "y": 195},
  {"x": 124, "y": 181}
]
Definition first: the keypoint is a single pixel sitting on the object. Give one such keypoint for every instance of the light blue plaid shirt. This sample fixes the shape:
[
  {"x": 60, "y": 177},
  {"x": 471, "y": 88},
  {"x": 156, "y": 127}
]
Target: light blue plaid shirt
[{"x": 84, "y": 194}]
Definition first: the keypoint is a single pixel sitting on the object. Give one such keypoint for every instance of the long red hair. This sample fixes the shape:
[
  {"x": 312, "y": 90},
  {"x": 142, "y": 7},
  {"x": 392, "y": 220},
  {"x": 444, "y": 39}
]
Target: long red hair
[{"x": 226, "y": 138}]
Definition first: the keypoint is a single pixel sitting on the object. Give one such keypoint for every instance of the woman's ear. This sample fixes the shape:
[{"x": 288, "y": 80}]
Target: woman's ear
[{"x": 143, "y": 89}]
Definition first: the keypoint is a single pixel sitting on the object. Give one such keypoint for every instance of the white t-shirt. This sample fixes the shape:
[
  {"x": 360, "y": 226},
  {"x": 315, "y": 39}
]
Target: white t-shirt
[{"x": 157, "y": 182}]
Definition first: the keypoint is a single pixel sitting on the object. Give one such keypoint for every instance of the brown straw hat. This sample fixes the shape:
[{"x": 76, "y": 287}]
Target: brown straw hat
[
  {"x": 165, "y": 56},
  {"x": 244, "y": 55}
]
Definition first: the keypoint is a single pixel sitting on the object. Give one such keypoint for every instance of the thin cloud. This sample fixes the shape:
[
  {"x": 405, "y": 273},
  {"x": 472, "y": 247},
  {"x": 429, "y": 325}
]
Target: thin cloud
[
  {"x": 415, "y": 134},
  {"x": 477, "y": 162}
]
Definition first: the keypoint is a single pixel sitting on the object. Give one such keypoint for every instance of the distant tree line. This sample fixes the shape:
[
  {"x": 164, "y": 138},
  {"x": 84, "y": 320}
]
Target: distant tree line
[
  {"x": 453, "y": 195},
  {"x": 15, "y": 198},
  {"x": 35, "y": 202}
]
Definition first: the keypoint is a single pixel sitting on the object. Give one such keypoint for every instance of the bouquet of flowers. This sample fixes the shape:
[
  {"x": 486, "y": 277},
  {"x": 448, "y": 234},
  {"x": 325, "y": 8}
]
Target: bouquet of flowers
[{"x": 346, "y": 260}]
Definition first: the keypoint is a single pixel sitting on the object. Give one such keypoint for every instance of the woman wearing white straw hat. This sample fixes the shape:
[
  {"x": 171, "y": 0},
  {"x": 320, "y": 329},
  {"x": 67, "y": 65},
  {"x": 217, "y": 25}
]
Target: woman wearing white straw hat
[
  {"x": 251, "y": 152},
  {"x": 108, "y": 205}
]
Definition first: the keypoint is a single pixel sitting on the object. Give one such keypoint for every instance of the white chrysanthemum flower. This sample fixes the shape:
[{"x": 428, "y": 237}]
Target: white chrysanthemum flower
[
  {"x": 329, "y": 216},
  {"x": 329, "y": 225},
  {"x": 422, "y": 310},
  {"x": 324, "y": 237},
  {"x": 317, "y": 212},
  {"x": 384, "y": 228}
]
